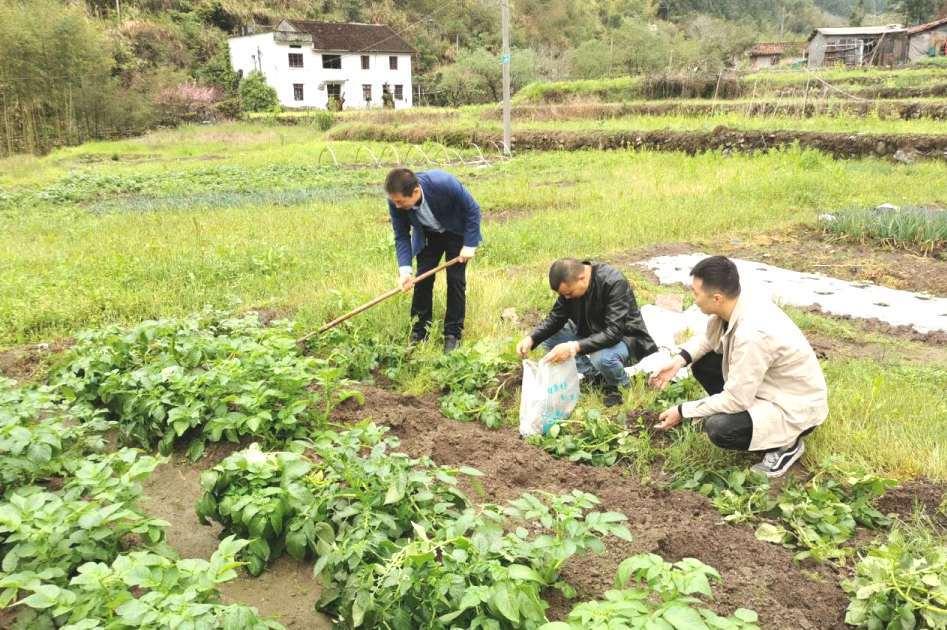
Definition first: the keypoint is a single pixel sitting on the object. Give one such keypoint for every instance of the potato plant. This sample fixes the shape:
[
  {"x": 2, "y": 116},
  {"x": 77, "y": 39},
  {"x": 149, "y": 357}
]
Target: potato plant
[
  {"x": 900, "y": 583},
  {"x": 39, "y": 438},
  {"x": 140, "y": 589},
  {"x": 89, "y": 519},
  {"x": 816, "y": 517},
  {"x": 344, "y": 501},
  {"x": 485, "y": 569},
  {"x": 200, "y": 379},
  {"x": 466, "y": 377},
  {"x": 653, "y": 593}
]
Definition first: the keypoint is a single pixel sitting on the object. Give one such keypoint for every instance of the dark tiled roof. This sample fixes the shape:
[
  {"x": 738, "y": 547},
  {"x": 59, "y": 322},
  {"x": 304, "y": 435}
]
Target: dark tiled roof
[
  {"x": 920, "y": 28},
  {"x": 353, "y": 37}
]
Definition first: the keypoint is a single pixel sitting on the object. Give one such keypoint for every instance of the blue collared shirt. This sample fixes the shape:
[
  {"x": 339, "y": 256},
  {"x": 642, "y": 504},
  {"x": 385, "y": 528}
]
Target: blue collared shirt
[{"x": 427, "y": 218}]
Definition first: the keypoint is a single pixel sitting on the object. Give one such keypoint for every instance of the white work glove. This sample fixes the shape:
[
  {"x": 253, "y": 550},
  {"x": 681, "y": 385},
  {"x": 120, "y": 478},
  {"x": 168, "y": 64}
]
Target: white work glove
[
  {"x": 466, "y": 253},
  {"x": 405, "y": 278}
]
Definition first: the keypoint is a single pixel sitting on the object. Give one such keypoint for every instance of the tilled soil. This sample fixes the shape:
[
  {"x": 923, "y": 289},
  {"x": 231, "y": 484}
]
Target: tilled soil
[
  {"x": 674, "y": 525},
  {"x": 26, "y": 363}
]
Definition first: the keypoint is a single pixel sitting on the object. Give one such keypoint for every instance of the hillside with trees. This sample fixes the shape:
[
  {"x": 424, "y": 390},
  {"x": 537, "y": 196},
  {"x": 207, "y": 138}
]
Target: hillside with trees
[{"x": 102, "y": 68}]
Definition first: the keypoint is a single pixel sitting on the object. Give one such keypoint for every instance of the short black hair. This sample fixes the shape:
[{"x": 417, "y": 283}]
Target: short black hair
[
  {"x": 564, "y": 270},
  {"x": 718, "y": 273},
  {"x": 401, "y": 181}
]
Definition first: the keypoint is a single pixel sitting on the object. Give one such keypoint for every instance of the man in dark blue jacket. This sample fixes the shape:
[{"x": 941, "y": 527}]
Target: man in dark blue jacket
[{"x": 433, "y": 216}]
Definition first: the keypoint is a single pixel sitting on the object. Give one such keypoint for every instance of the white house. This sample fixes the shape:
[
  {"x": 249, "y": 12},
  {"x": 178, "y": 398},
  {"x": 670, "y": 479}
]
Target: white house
[{"x": 307, "y": 63}]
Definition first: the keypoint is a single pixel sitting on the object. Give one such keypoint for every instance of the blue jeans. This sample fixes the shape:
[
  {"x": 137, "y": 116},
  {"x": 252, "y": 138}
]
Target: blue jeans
[{"x": 609, "y": 363}]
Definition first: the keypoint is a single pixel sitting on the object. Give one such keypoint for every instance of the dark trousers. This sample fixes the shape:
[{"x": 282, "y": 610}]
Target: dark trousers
[
  {"x": 732, "y": 431},
  {"x": 447, "y": 246}
]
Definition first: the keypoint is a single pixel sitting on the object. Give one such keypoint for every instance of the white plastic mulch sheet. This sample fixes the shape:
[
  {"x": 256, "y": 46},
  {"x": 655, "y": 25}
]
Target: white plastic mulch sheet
[{"x": 862, "y": 300}]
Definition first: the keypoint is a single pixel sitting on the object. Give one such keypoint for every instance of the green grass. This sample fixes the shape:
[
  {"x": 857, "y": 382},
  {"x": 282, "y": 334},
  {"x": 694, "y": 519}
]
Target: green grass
[
  {"x": 755, "y": 83},
  {"x": 918, "y": 229},
  {"x": 892, "y": 417},
  {"x": 240, "y": 215}
]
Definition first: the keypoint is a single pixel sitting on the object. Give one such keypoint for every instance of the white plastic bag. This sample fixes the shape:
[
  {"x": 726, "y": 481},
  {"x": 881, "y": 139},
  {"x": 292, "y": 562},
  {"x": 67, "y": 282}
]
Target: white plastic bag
[
  {"x": 550, "y": 393},
  {"x": 654, "y": 362}
]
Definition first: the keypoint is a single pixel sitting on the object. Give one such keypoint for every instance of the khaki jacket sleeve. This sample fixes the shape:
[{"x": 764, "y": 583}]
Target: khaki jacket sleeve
[
  {"x": 750, "y": 358},
  {"x": 700, "y": 344}
]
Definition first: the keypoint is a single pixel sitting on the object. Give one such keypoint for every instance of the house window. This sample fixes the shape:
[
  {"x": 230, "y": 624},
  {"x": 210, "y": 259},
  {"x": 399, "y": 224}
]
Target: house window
[
  {"x": 297, "y": 91},
  {"x": 364, "y": 62},
  {"x": 295, "y": 60},
  {"x": 295, "y": 46},
  {"x": 367, "y": 91},
  {"x": 334, "y": 90},
  {"x": 399, "y": 92},
  {"x": 392, "y": 63},
  {"x": 332, "y": 62}
]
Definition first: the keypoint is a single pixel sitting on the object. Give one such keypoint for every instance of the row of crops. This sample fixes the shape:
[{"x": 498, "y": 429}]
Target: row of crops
[{"x": 394, "y": 540}]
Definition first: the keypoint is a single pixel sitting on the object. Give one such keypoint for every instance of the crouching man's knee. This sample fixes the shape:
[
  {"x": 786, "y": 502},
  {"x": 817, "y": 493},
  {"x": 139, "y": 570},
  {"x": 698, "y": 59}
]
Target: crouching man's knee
[
  {"x": 610, "y": 365},
  {"x": 731, "y": 431}
]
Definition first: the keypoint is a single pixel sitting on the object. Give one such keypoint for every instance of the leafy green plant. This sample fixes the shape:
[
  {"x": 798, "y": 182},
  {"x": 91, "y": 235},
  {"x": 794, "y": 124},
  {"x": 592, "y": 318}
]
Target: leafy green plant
[
  {"x": 91, "y": 518},
  {"x": 484, "y": 569},
  {"x": 592, "y": 437},
  {"x": 901, "y": 583},
  {"x": 822, "y": 514},
  {"x": 465, "y": 375},
  {"x": 738, "y": 494},
  {"x": 816, "y": 517},
  {"x": 203, "y": 378},
  {"x": 339, "y": 503},
  {"x": 140, "y": 589},
  {"x": 361, "y": 354},
  {"x": 40, "y": 439},
  {"x": 652, "y": 593},
  {"x": 256, "y": 95}
]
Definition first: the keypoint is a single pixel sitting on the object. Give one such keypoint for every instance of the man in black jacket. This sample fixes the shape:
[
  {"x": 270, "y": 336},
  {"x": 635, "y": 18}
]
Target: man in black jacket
[{"x": 596, "y": 319}]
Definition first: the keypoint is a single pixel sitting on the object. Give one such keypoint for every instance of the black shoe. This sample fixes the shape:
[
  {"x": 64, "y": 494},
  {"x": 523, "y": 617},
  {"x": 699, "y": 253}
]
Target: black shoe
[
  {"x": 613, "y": 397},
  {"x": 776, "y": 462},
  {"x": 450, "y": 343}
]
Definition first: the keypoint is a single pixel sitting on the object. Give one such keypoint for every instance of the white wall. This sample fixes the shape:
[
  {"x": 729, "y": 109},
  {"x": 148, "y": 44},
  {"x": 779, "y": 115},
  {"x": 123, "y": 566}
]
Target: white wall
[{"x": 262, "y": 52}]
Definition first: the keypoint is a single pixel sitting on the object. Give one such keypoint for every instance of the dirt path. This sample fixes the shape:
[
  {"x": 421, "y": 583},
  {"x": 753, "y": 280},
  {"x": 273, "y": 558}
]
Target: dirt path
[{"x": 673, "y": 524}]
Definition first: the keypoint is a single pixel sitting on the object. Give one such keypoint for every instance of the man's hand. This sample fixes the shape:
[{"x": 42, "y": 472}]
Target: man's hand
[
  {"x": 562, "y": 352},
  {"x": 524, "y": 346},
  {"x": 466, "y": 253},
  {"x": 662, "y": 377},
  {"x": 669, "y": 418},
  {"x": 406, "y": 282}
]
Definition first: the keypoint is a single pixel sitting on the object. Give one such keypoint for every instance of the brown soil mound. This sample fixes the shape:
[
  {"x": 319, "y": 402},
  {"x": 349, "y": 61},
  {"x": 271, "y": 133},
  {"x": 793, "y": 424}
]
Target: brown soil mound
[
  {"x": 890, "y": 109},
  {"x": 839, "y": 145},
  {"x": 25, "y": 363},
  {"x": 673, "y": 524}
]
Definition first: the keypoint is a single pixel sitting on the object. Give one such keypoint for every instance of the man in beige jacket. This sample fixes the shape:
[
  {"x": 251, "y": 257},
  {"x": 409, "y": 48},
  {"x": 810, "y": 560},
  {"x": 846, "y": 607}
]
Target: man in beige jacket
[{"x": 766, "y": 387}]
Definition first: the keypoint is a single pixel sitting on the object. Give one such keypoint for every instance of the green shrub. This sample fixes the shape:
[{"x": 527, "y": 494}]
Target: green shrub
[{"x": 256, "y": 95}]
